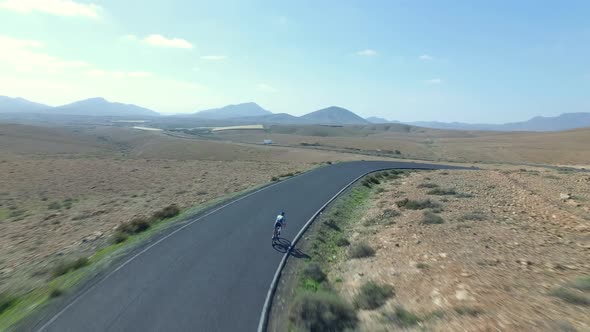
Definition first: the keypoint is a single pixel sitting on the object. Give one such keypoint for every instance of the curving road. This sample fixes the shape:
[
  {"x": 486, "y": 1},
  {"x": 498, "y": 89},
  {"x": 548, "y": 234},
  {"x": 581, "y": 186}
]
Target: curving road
[{"x": 213, "y": 273}]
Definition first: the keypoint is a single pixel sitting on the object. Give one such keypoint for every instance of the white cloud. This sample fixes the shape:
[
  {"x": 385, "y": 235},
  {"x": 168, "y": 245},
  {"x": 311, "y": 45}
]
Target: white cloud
[
  {"x": 266, "y": 88},
  {"x": 25, "y": 56},
  {"x": 426, "y": 57},
  {"x": 213, "y": 57},
  {"x": 433, "y": 81},
  {"x": 54, "y": 7},
  {"x": 161, "y": 41},
  {"x": 367, "y": 52}
]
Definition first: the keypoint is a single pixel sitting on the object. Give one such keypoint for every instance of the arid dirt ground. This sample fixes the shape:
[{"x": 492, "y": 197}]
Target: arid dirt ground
[
  {"x": 511, "y": 253},
  {"x": 63, "y": 191},
  {"x": 563, "y": 148}
]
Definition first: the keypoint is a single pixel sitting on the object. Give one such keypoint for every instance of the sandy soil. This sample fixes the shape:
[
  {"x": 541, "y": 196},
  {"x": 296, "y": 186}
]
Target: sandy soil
[{"x": 496, "y": 273}]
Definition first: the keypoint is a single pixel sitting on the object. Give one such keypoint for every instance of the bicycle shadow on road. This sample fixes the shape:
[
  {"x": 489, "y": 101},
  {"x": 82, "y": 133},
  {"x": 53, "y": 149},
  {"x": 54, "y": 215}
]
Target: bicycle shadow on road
[{"x": 282, "y": 245}]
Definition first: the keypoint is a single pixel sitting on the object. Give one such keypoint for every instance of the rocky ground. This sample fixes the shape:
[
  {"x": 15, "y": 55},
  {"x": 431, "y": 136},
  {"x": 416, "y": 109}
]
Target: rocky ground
[{"x": 509, "y": 254}]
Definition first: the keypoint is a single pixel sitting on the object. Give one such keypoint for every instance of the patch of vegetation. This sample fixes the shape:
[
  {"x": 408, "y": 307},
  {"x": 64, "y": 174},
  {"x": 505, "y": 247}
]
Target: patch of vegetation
[
  {"x": 464, "y": 195},
  {"x": 342, "y": 241},
  {"x": 120, "y": 237},
  {"x": 56, "y": 292},
  {"x": 286, "y": 175},
  {"x": 274, "y": 179},
  {"x": 468, "y": 311},
  {"x": 170, "y": 211},
  {"x": 581, "y": 283},
  {"x": 322, "y": 311},
  {"x": 374, "y": 179},
  {"x": 417, "y": 204},
  {"x": 361, "y": 250},
  {"x": 68, "y": 266},
  {"x": 16, "y": 213},
  {"x": 6, "y": 301},
  {"x": 422, "y": 266},
  {"x": 372, "y": 295},
  {"x": 442, "y": 191},
  {"x": 404, "y": 318},
  {"x": 67, "y": 203},
  {"x": 428, "y": 185},
  {"x": 54, "y": 206},
  {"x": 135, "y": 226},
  {"x": 391, "y": 213},
  {"x": 430, "y": 218},
  {"x": 314, "y": 272},
  {"x": 570, "y": 297}
]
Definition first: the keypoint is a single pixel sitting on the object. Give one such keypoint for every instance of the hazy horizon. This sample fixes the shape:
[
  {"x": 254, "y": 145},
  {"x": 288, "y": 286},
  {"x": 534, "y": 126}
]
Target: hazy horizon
[{"x": 416, "y": 61}]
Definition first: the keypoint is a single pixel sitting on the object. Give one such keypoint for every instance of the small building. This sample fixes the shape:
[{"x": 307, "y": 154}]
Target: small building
[{"x": 267, "y": 141}]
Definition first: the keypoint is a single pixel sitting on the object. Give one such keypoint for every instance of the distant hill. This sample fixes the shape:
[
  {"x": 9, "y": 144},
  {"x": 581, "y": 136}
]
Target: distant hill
[
  {"x": 564, "y": 121},
  {"x": 374, "y": 119},
  {"x": 279, "y": 118},
  {"x": 102, "y": 107},
  {"x": 20, "y": 105},
  {"x": 233, "y": 111},
  {"x": 334, "y": 115}
]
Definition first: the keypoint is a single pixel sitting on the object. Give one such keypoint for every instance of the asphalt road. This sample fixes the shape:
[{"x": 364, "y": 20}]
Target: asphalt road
[{"x": 214, "y": 274}]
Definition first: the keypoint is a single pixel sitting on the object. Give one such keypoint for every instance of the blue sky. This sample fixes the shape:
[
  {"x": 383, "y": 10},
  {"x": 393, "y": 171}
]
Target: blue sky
[{"x": 470, "y": 61}]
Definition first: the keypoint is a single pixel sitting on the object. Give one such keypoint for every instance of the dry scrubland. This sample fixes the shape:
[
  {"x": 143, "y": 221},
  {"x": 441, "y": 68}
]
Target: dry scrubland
[
  {"x": 563, "y": 148},
  {"x": 493, "y": 250},
  {"x": 64, "y": 191}
]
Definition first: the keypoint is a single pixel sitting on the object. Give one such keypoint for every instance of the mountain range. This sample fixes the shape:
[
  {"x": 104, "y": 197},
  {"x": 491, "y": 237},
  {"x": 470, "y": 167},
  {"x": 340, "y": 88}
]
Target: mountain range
[
  {"x": 252, "y": 113},
  {"x": 86, "y": 107}
]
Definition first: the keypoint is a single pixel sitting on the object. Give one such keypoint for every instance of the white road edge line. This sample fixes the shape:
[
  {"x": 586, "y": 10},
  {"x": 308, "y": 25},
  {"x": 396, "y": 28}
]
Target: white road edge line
[
  {"x": 262, "y": 323},
  {"x": 79, "y": 296}
]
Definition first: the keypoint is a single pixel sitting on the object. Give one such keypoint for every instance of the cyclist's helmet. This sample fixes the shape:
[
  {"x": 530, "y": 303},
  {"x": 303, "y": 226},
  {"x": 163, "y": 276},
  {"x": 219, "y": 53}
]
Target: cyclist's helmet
[{"x": 282, "y": 213}]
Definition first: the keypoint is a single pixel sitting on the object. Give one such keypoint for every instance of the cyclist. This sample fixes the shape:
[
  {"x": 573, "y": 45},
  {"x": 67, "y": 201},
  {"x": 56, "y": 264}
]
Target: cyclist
[{"x": 279, "y": 223}]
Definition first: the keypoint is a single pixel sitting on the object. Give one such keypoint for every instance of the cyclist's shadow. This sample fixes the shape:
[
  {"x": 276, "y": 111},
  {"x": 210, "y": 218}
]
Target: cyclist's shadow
[{"x": 282, "y": 245}]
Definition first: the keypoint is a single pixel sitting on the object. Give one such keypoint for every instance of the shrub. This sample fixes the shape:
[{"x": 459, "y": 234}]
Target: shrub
[
  {"x": 442, "y": 191},
  {"x": 67, "y": 266},
  {"x": 374, "y": 180},
  {"x": 56, "y": 292},
  {"x": 428, "y": 185},
  {"x": 391, "y": 213},
  {"x": 120, "y": 236},
  {"x": 404, "y": 318},
  {"x": 463, "y": 311},
  {"x": 274, "y": 178},
  {"x": 581, "y": 283},
  {"x": 322, "y": 311},
  {"x": 54, "y": 206},
  {"x": 570, "y": 297},
  {"x": 417, "y": 204},
  {"x": 422, "y": 266},
  {"x": 137, "y": 225},
  {"x": 342, "y": 241},
  {"x": 6, "y": 301},
  {"x": 361, "y": 250},
  {"x": 314, "y": 271},
  {"x": 430, "y": 218},
  {"x": 367, "y": 183},
  {"x": 170, "y": 211},
  {"x": 373, "y": 295}
]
